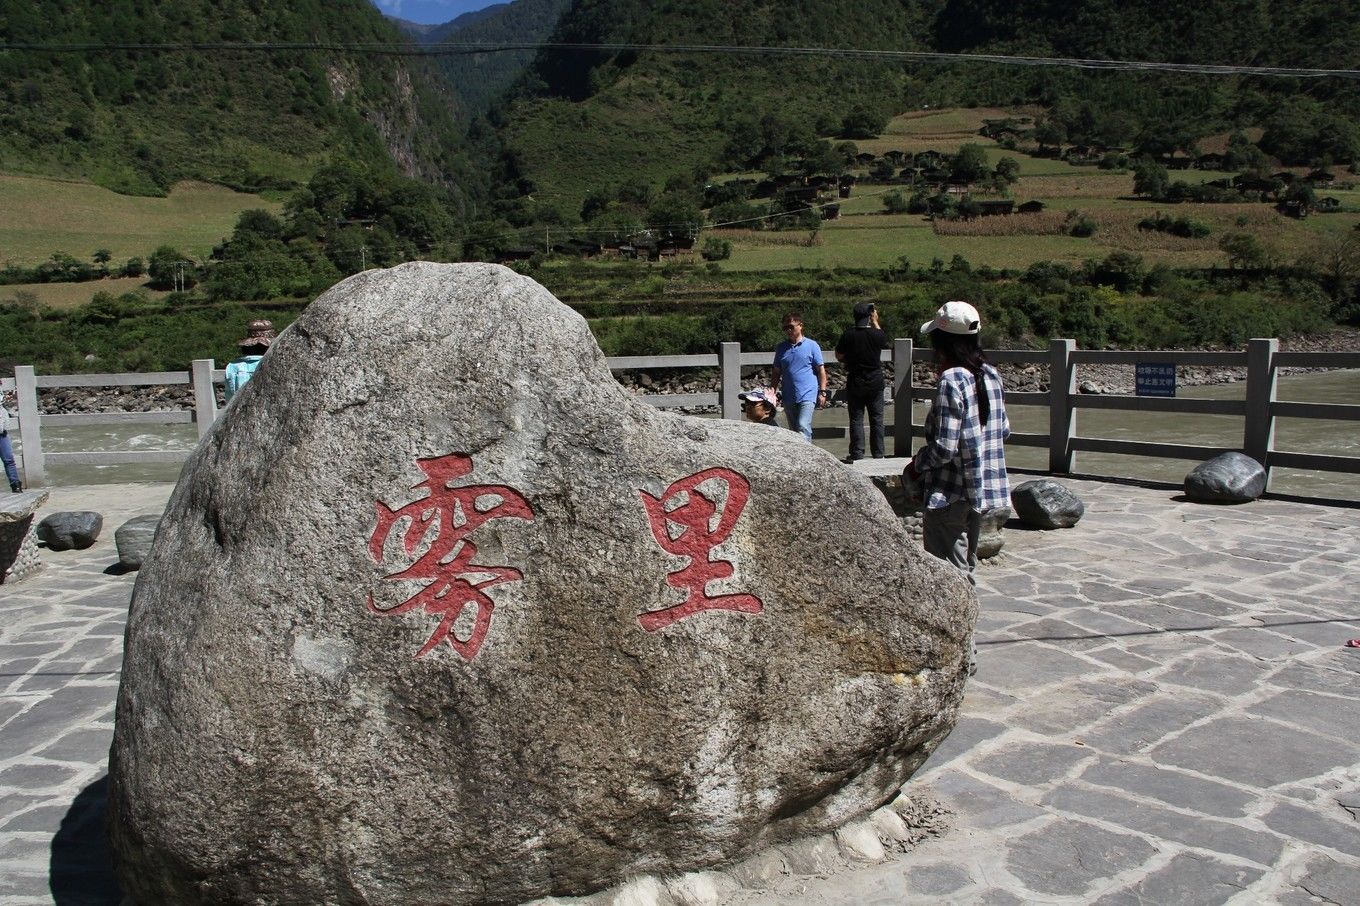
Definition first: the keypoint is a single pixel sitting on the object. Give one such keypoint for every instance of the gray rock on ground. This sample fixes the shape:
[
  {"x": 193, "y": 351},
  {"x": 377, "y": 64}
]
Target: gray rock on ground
[
  {"x": 18, "y": 537},
  {"x": 993, "y": 536},
  {"x": 70, "y": 530},
  {"x": 134, "y": 539},
  {"x": 1230, "y": 477},
  {"x": 438, "y": 613},
  {"x": 1046, "y": 504}
]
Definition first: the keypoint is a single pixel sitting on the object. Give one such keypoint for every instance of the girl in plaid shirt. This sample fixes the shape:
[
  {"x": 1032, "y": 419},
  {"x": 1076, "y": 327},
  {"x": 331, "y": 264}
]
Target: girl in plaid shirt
[{"x": 963, "y": 463}]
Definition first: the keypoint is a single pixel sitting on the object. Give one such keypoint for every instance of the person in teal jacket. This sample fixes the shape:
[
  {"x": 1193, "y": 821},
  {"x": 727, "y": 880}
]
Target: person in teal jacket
[{"x": 259, "y": 337}]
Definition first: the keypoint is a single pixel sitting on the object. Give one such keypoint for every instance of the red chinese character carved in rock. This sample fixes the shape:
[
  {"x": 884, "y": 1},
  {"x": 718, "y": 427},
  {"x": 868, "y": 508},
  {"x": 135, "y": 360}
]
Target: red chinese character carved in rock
[
  {"x": 448, "y": 515},
  {"x": 694, "y": 516}
]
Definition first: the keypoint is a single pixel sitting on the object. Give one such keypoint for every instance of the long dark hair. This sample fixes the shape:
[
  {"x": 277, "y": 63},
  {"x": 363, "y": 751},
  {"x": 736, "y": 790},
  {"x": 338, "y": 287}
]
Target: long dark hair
[{"x": 962, "y": 350}]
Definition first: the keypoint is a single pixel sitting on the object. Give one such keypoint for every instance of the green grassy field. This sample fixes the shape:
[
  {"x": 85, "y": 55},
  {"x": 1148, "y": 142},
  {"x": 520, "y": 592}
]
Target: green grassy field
[
  {"x": 43, "y": 216},
  {"x": 71, "y": 295}
]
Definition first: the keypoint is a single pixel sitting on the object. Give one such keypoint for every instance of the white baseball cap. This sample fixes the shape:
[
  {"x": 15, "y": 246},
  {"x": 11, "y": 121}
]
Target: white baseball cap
[{"x": 954, "y": 317}]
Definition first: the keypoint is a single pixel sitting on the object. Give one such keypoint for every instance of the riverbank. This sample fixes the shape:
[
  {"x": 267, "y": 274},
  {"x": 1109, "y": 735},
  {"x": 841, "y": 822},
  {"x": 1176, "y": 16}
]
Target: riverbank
[{"x": 1112, "y": 379}]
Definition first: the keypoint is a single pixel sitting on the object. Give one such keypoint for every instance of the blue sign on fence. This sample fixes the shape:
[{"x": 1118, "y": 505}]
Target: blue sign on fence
[{"x": 1155, "y": 379}]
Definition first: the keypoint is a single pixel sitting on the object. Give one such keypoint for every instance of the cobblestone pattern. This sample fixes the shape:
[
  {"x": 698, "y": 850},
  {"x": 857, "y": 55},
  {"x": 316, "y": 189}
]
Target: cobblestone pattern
[{"x": 1164, "y": 713}]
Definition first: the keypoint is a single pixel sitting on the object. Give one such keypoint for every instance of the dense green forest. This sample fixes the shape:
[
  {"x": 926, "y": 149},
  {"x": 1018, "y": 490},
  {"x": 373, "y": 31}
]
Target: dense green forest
[{"x": 139, "y": 121}]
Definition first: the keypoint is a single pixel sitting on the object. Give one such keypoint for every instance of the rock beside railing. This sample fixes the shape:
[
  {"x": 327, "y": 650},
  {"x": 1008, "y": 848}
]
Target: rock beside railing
[{"x": 18, "y": 540}]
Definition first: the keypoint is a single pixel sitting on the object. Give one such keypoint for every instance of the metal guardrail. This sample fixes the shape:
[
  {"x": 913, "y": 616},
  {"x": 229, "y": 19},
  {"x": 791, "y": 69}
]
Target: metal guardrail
[{"x": 1259, "y": 409}]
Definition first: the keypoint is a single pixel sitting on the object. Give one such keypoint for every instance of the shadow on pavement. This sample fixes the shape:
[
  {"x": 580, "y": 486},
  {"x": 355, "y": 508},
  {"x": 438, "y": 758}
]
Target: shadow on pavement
[{"x": 81, "y": 870}]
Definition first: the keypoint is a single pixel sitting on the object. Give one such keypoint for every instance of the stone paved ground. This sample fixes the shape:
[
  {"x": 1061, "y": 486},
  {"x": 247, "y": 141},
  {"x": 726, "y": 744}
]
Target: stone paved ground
[
  {"x": 61, "y": 648},
  {"x": 1164, "y": 714}
]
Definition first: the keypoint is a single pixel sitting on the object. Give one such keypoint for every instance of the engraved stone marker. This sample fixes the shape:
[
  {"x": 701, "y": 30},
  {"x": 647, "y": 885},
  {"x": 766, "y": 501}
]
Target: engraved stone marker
[{"x": 439, "y": 613}]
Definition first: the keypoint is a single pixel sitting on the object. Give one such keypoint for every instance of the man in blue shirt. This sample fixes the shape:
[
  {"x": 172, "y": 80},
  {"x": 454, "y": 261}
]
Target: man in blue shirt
[{"x": 800, "y": 375}]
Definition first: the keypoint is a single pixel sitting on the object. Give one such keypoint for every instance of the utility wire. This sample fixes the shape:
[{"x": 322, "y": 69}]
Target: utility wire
[{"x": 897, "y": 56}]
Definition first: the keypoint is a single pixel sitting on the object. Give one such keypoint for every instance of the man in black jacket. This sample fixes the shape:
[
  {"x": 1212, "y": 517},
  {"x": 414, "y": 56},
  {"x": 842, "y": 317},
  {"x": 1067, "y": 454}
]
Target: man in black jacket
[{"x": 859, "y": 349}]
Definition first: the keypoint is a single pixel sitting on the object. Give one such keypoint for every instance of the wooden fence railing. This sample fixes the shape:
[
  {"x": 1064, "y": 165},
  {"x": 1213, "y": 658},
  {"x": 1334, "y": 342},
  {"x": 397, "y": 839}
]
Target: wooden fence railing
[{"x": 1259, "y": 409}]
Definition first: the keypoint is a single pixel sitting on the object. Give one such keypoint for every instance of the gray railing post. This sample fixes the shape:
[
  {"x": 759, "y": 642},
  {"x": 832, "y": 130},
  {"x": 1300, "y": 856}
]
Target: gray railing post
[
  {"x": 30, "y": 426},
  {"x": 902, "y": 386},
  {"x": 1258, "y": 435},
  {"x": 1062, "y": 417},
  {"x": 729, "y": 387},
  {"x": 205, "y": 399}
]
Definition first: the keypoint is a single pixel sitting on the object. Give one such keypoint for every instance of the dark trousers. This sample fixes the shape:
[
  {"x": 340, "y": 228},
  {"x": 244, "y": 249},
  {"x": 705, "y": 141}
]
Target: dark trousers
[{"x": 861, "y": 399}]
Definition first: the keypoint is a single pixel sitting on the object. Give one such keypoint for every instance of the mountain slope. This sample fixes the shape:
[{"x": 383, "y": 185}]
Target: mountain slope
[
  {"x": 140, "y": 121},
  {"x": 481, "y": 79},
  {"x": 644, "y": 116},
  {"x": 588, "y": 120}
]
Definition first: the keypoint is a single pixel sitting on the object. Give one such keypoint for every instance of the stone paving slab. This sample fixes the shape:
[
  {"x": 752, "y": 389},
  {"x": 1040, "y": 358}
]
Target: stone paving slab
[{"x": 1163, "y": 714}]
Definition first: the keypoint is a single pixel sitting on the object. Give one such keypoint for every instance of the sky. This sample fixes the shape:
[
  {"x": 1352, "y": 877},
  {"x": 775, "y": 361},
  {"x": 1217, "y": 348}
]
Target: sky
[{"x": 430, "y": 12}]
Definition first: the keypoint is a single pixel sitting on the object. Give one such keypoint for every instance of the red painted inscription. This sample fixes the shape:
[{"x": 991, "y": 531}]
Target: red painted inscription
[
  {"x": 693, "y": 513},
  {"x": 447, "y": 516}
]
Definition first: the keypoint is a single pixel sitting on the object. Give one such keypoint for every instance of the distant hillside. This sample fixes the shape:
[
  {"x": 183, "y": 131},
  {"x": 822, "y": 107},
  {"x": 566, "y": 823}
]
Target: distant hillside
[
  {"x": 138, "y": 122},
  {"x": 1122, "y": 108},
  {"x": 414, "y": 30},
  {"x": 480, "y": 80},
  {"x": 443, "y": 31},
  {"x": 649, "y": 117}
]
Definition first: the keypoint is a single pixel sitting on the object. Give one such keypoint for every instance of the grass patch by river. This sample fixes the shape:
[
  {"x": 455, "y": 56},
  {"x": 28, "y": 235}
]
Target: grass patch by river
[{"x": 43, "y": 216}]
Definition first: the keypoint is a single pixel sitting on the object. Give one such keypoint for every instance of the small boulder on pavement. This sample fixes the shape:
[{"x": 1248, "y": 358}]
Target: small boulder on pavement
[
  {"x": 134, "y": 539},
  {"x": 992, "y": 539},
  {"x": 1046, "y": 504},
  {"x": 18, "y": 537},
  {"x": 70, "y": 530},
  {"x": 1227, "y": 478}
]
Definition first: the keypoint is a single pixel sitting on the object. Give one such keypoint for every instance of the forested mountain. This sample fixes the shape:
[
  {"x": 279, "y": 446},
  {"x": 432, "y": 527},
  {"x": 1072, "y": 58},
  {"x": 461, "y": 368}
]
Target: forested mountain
[
  {"x": 481, "y": 79},
  {"x": 650, "y": 115},
  {"x": 138, "y": 121},
  {"x": 646, "y": 116}
]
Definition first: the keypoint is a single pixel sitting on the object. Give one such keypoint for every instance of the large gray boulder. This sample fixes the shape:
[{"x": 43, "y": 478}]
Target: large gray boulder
[
  {"x": 70, "y": 530},
  {"x": 1046, "y": 504},
  {"x": 134, "y": 539},
  {"x": 1227, "y": 478},
  {"x": 429, "y": 620}
]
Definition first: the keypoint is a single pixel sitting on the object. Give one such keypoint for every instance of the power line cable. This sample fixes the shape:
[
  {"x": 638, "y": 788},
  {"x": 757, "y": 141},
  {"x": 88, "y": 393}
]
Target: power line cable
[{"x": 899, "y": 56}]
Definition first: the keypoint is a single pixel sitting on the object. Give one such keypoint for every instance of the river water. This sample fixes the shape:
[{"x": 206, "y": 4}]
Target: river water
[{"x": 1296, "y": 435}]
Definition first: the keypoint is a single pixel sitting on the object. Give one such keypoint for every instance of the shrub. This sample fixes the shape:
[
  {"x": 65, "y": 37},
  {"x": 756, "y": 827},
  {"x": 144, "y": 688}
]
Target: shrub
[
  {"x": 1181, "y": 226},
  {"x": 716, "y": 249},
  {"x": 1080, "y": 225},
  {"x": 896, "y": 203}
]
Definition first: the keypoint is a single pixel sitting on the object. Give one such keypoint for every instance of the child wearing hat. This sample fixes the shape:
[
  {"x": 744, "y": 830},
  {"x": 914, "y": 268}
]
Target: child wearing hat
[
  {"x": 759, "y": 406},
  {"x": 259, "y": 337}
]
